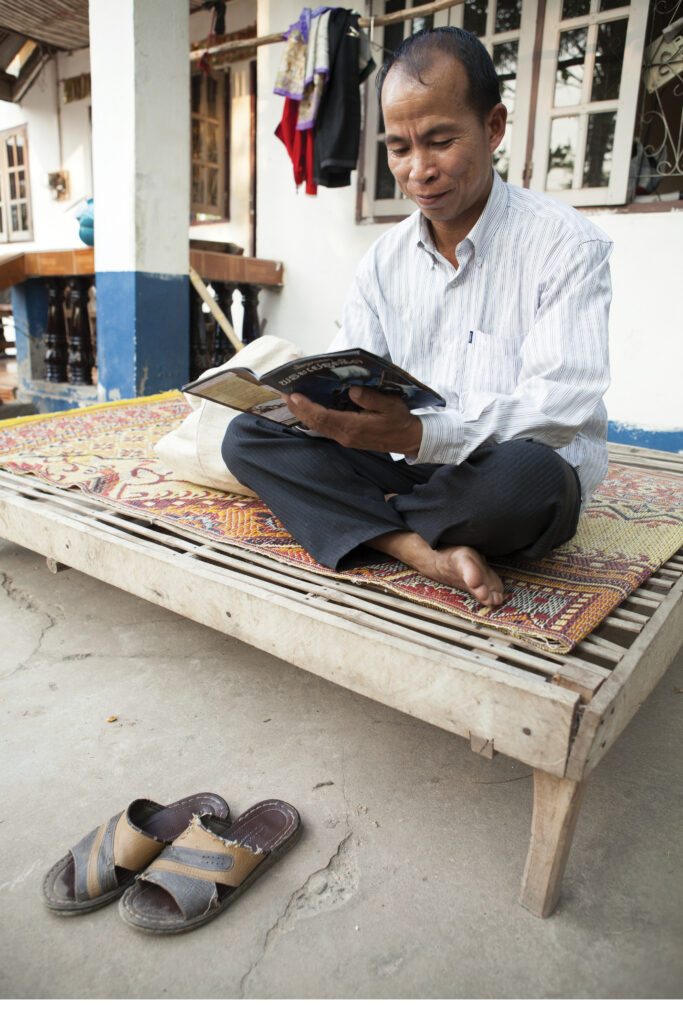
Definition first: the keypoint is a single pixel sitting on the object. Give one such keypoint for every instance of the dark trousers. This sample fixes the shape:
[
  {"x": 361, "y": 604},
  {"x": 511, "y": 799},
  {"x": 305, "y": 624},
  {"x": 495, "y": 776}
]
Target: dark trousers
[{"x": 519, "y": 497}]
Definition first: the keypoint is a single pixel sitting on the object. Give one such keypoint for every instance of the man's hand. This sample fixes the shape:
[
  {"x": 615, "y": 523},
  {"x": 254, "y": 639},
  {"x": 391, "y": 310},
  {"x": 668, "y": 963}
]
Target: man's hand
[{"x": 384, "y": 425}]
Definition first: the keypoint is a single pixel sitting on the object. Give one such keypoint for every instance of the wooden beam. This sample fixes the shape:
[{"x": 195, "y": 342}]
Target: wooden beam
[{"x": 424, "y": 10}]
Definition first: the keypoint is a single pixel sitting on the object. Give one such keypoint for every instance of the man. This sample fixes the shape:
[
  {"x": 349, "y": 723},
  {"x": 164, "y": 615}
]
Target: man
[{"x": 493, "y": 296}]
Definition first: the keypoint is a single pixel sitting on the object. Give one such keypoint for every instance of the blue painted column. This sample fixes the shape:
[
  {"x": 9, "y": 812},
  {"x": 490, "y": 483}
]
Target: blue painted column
[{"x": 140, "y": 68}]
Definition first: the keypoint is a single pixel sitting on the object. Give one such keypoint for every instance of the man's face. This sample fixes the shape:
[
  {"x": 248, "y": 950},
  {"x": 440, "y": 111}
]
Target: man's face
[{"x": 439, "y": 149}]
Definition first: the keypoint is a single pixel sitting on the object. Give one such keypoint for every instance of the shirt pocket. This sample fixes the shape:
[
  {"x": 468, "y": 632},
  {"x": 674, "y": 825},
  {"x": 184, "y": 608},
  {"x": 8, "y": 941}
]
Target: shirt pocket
[{"x": 492, "y": 363}]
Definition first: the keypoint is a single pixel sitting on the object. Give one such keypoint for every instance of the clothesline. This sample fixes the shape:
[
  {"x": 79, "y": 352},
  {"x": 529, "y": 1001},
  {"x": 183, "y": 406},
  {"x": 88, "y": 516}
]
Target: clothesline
[{"x": 381, "y": 19}]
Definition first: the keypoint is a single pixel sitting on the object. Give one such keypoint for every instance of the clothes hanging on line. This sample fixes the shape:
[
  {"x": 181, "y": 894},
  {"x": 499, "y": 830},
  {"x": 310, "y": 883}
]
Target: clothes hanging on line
[{"x": 326, "y": 59}]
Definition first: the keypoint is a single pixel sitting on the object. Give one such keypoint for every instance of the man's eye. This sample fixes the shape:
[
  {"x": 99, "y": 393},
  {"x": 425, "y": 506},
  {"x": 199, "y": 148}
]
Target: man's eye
[
  {"x": 440, "y": 143},
  {"x": 397, "y": 150}
]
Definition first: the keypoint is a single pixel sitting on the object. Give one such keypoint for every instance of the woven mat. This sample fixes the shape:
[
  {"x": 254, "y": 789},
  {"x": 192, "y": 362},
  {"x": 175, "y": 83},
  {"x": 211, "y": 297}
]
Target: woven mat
[{"x": 632, "y": 526}]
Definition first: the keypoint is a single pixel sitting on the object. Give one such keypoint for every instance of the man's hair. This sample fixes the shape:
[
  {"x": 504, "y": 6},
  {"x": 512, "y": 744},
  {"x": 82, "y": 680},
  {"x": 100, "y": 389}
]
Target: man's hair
[{"x": 416, "y": 55}]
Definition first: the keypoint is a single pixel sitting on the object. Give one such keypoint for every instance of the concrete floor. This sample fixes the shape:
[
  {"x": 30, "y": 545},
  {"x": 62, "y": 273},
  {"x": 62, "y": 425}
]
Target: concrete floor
[{"x": 404, "y": 884}]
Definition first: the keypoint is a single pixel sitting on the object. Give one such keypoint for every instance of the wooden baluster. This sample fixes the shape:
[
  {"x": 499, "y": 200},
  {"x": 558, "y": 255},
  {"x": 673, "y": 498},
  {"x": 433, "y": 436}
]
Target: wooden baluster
[
  {"x": 251, "y": 327},
  {"x": 56, "y": 350},
  {"x": 199, "y": 353},
  {"x": 80, "y": 352},
  {"x": 223, "y": 348}
]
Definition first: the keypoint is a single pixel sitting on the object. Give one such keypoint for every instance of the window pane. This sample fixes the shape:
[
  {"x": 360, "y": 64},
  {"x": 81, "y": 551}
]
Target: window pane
[
  {"x": 211, "y": 97},
  {"x": 384, "y": 186},
  {"x": 505, "y": 63},
  {"x": 501, "y": 157},
  {"x": 2, "y": 222},
  {"x": 564, "y": 133},
  {"x": 599, "y": 144},
  {"x": 196, "y": 93},
  {"x": 24, "y": 217},
  {"x": 574, "y": 8},
  {"x": 609, "y": 57},
  {"x": 609, "y": 5},
  {"x": 570, "y": 67},
  {"x": 20, "y": 150},
  {"x": 15, "y": 218},
  {"x": 508, "y": 15},
  {"x": 9, "y": 144},
  {"x": 212, "y": 143},
  {"x": 196, "y": 140},
  {"x": 474, "y": 16},
  {"x": 419, "y": 24},
  {"x": 197, "y": 184},
  {"x": 393, "y": 34},
  {"x": 22, "y": 184},
  {"x": 212, "y": 186},
  {"x": 13, "y": 186}
]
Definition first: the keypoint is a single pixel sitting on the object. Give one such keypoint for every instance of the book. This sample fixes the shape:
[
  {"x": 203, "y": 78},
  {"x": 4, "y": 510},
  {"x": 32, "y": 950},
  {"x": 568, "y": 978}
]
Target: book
[{"x": 324, "y": 379}]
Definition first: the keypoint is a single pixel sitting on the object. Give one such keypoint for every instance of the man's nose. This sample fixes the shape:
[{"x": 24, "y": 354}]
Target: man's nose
[{"x": 422, "y": 166}]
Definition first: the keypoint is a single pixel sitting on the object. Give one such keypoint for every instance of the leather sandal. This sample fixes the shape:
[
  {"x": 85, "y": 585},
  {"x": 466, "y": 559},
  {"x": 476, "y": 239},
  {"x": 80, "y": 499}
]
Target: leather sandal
[
  {"x": 208, "y": 867},
  {"x": 105, "y": 862}
]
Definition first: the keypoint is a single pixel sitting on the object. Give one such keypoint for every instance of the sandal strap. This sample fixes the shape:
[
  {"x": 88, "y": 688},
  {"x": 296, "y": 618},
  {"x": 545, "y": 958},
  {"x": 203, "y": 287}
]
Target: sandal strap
[
  {"x": 196, "y": 863},
  {"x": 116, "y": 843},
  {"x": 194, "y": 896}
]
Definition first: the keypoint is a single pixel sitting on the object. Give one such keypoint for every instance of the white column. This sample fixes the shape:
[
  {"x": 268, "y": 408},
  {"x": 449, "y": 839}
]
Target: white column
[{"x": 139, "y": 51}]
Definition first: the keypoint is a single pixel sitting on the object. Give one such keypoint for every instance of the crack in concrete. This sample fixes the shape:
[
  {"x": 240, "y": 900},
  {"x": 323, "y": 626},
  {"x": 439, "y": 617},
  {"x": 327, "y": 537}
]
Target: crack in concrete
[
  {"x": 326, "y": 888},
  {"x": 28, "y": 603}
]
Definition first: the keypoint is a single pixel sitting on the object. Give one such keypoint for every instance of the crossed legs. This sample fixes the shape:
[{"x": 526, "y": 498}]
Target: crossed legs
[{"x": 519, "y": 497}]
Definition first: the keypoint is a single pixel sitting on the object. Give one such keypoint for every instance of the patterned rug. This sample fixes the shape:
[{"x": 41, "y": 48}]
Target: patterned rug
[{"x": 633, "y": 525}]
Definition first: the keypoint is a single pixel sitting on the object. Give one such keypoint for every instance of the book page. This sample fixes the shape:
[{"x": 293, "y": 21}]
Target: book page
[{"x": 237, "y": 393}]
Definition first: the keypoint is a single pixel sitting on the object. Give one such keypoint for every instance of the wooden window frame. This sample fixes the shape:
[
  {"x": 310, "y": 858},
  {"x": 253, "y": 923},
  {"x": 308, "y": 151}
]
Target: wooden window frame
[
  {"x": 538, "y": 37},
  {"x": 204, "y": 212},
  {"x": 7, "y": 173}
]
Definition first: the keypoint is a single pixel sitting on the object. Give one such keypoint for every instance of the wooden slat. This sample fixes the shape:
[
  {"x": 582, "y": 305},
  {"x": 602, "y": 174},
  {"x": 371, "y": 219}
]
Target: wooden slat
[
  {"x": 632, "y": 680},
  {"x": 524, "y": 717}
]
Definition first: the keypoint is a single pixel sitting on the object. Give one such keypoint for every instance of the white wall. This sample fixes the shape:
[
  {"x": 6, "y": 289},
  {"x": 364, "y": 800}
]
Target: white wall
[
  {"x": 54, "y": 224},
  {"x": 646, "y": 325}
]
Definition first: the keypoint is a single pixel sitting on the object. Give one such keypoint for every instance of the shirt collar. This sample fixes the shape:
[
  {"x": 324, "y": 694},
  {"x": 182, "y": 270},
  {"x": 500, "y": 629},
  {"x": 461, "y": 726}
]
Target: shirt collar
[{"x": 481, "y": 235}]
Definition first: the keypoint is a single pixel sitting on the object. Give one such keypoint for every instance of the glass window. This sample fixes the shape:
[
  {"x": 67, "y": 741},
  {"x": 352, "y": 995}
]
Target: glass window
[
  {"x": 564, "y": 134},
  {"x": 508, "y": 15},
  {"x": 571, "y": 55},
  {"x": 575, "y": 8},
  {"x": 609, "y": 59},
  {"x": 599, "y": 145},
  {"x": 474, "y": 16}
]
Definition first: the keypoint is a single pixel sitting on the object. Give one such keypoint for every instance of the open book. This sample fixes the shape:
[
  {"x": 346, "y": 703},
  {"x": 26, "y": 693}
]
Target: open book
[{"x": 324, "y": 379}]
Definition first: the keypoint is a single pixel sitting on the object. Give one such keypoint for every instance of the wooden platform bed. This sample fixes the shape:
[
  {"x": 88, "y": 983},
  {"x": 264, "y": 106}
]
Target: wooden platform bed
[{"x": 557, "y": 713}]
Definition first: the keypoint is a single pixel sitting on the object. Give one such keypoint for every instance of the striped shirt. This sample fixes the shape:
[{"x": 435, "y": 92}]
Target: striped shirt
[{"x": 515, "y": 339}]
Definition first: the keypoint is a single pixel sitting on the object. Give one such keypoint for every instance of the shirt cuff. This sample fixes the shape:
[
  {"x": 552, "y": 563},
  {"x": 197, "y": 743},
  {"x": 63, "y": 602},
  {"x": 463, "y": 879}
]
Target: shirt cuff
[{"x": 443, "y": 434}]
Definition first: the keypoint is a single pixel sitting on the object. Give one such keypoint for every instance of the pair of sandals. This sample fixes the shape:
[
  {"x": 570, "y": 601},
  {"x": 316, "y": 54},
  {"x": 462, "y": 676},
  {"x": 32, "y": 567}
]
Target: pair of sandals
[{"x": 175, "y": 866}]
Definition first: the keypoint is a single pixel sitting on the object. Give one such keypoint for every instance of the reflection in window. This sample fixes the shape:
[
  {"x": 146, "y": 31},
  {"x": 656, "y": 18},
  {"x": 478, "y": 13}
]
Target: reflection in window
[
  {"x": 599, "y": 144},
  {"x": 474, "y": 16},
  {"x": 505, "y": 63},
  {"x": 571, "y": 55},
  {"x": 609, "y": 5},
  {"x": 508, "y": 15},
  {"x": 575, "y": 8},
  {"x": 384, "y": 182},
  {"x": 564, "y": 134},
  {"x": 609, "y": 57}
]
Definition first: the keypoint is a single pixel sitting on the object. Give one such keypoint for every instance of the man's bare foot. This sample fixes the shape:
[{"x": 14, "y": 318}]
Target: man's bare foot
[{"x": 457, "y": 566}]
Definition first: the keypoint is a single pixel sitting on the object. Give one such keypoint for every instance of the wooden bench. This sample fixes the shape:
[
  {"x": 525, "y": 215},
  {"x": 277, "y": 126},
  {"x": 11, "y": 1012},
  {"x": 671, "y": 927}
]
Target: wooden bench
[{"x": 559, "y": 714}]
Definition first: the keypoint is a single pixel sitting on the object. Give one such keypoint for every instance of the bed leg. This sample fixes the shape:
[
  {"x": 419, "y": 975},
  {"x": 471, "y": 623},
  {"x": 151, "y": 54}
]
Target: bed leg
[{"x": 556, "y": 807}]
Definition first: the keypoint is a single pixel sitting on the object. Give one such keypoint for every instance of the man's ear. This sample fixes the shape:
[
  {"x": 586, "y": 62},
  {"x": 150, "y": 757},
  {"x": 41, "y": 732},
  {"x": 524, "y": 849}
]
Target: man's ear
[{"x": 496, "y": 119}]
